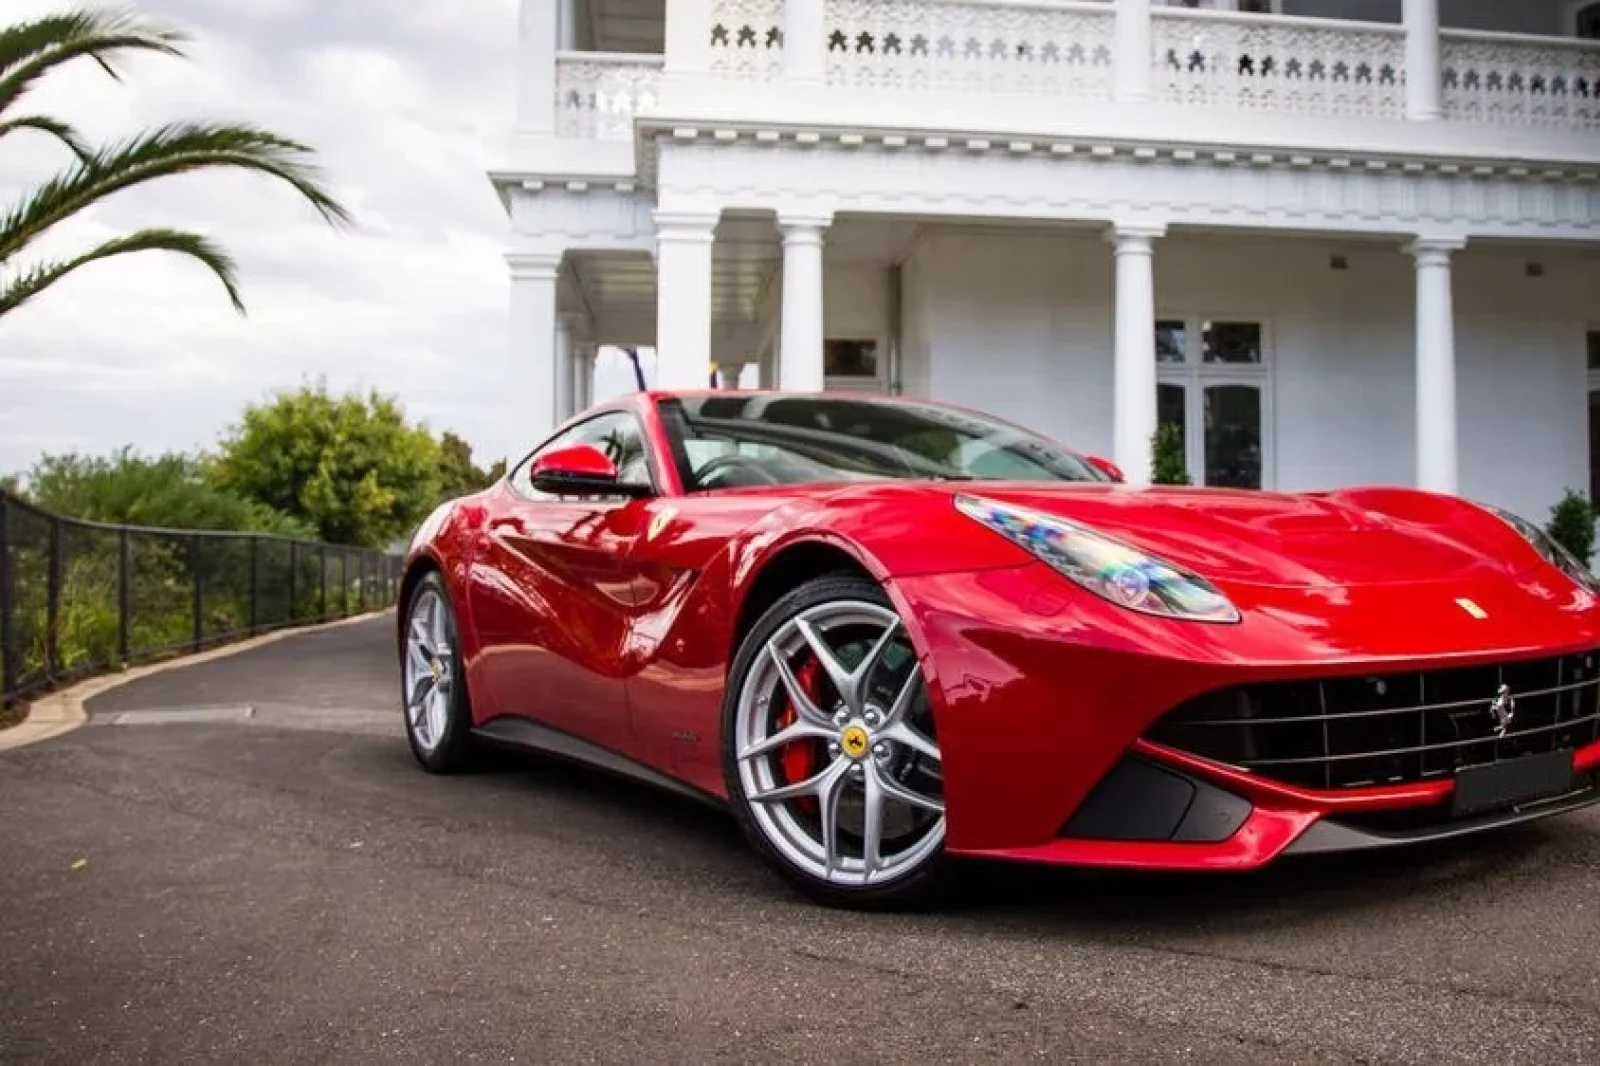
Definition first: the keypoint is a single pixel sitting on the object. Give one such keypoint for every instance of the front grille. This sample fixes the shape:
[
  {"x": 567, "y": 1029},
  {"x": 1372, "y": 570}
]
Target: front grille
[{"x": 1390, "y": 729}]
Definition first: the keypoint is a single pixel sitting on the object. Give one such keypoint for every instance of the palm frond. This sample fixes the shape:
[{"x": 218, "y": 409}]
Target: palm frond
[
  {"x": 32, "y": 282},
  {"x": 174, "y": 149},
  {"x": 44, "y": 124},
  {"x": 29, "y": 50}
]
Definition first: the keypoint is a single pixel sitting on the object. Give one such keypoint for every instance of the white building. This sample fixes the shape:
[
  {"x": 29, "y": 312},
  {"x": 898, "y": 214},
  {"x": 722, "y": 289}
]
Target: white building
[{"x": 1341, "y": 241}]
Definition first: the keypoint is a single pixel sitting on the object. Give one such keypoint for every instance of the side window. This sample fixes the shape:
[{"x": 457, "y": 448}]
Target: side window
[{"x": 617, "y": 434}]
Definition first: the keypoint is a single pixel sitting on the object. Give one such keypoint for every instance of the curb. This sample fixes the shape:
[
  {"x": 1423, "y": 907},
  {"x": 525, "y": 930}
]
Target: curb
[{"x": 62, "y": 712}]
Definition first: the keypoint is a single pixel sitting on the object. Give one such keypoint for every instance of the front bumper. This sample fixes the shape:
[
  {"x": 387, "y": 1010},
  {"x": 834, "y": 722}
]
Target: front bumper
[{"x": 1043, "y": 696}]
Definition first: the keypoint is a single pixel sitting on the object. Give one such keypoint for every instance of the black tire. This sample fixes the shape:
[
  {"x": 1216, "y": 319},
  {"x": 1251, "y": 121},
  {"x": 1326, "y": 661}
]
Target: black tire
[
  {"x": 916, "y": 888},
  {"x": 456, "y": 748}
]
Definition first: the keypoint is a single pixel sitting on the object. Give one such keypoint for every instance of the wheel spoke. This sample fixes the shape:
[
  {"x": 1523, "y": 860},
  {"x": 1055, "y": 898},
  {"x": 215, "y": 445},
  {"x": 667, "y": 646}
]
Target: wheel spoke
[
  {"x": 871, "y": 823},
  {"x": 437, "y": 709},
  {"x": 830, "y": 664},
  {"x": 420, "y": 641},
  {"x": 441, "y": 638},
  {"x": 799, "y": 729},
  {"x": 811, "y": 786},
  {"x": 861, "y": 678},
  {"x": 797, "y": 696},
  {"x": 828, "y": 793},
  {"x": 905, "y": 697},
  {"x": 901, "y": 733},
  {"x": 896, "y": 791},
  {"x": 419, "y": 697}
]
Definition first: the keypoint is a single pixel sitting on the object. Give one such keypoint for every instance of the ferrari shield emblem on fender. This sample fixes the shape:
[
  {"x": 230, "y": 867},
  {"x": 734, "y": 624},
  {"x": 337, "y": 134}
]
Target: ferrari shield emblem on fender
[{"x": 1472, "y": 608}]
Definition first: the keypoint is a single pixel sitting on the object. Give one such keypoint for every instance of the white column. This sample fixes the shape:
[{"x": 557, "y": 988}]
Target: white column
[
  {"x": 538, "y": 31},
  {"x": 800, "y": 336},
  {"x": 805, "y": 45},
  {"x": 1437, "y": 468},
  {"x": 531, "y": 357},
  {"x": 1134, "y": 52},
  {"x": 561, "y": 384},
  {"x": 567, "y": 25},
  {"x": 688, "y": 36},
  {"x": 582, "y": 376},
  {"x": 683, "y": 298},
  {"x": 1134, "y": 381},
  {"x": 1424, "y": 89}
]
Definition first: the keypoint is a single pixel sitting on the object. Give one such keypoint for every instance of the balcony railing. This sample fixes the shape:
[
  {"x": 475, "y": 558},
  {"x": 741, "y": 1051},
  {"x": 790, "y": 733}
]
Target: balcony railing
[
  {"x": 1065, "y": 50},
  {"x": 974, "y": 46},
  {"x": 1293, "y": 65},
  {"x": 1542, "y": 81},
  {"x": 598, "y": 93}
]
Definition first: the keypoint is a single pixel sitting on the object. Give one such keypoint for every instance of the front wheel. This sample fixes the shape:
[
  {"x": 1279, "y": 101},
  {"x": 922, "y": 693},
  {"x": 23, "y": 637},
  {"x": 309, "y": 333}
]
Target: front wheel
[
  {"x": 829, "y": 749},
  {"x": 433, "y": 685}
]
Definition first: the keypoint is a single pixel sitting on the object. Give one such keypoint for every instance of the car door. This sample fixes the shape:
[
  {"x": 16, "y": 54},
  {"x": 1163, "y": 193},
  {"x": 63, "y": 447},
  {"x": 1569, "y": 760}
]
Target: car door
[{"x": 551, "y": 592}]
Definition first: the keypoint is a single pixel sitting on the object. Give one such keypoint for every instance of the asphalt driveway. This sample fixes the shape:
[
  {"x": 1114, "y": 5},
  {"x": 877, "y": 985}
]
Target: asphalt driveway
[{"x": 288, "y": 887}]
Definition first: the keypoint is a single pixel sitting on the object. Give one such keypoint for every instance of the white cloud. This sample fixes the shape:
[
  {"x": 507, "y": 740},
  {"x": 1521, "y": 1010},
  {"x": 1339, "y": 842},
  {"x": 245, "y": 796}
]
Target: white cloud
[{"x": 406, "y": 103}]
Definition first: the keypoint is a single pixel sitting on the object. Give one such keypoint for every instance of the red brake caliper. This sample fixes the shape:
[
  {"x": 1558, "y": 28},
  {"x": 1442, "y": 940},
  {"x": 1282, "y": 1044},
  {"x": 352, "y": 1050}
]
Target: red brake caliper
[{"x": 800, "y": 759}]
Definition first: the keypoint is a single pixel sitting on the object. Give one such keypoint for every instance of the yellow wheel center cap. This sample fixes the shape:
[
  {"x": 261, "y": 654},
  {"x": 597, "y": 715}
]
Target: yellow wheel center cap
[
  {"x": 854, "y": 742},
  {"x": 436, "y": 670}
]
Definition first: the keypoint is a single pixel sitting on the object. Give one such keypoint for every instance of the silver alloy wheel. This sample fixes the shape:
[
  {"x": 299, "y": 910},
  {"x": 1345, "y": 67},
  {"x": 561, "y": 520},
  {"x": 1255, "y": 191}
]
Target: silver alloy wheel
[
  {"x": 873, "y": 749},
  {"x": 429, "y": 678}
]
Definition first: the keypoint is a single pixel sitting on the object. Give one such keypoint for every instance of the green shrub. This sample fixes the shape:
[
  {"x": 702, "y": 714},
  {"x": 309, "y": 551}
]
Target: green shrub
[
  {"x": 1168, "y": 464},
  {"x": 1572, "y": 525}
]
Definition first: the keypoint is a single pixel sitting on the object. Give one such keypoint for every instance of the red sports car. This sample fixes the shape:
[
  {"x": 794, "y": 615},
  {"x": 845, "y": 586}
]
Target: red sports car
[{"x": 886, "y": 632}]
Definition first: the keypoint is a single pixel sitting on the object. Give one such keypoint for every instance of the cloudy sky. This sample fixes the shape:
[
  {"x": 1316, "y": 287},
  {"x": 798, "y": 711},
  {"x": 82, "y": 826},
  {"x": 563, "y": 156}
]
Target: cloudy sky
[{"x": 408, "y": 103}]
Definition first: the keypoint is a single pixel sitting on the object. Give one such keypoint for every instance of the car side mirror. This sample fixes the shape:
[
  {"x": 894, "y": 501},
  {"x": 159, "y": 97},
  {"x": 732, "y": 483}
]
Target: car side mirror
[
  {"x": 580, "y": 470},
  {"x": 1106, "y": 467}
]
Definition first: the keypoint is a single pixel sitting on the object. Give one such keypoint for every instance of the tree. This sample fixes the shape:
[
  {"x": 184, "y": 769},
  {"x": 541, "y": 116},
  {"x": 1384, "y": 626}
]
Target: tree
[
  {"x": 1572, "y": 525},
  {"x": 31, "y": 50},
  {"x": 169, "y": 490},
  {"x": 1167, "y": 463},
  {"x": 352, "y": 467},
  {"x": 457, "y": 474}
]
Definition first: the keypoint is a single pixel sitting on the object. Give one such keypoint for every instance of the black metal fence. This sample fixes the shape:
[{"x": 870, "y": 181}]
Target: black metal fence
[{"x": 79, "y": 598}]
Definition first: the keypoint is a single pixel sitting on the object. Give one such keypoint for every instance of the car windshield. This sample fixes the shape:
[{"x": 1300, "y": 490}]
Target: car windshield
[{"x": 751, "y": 439}]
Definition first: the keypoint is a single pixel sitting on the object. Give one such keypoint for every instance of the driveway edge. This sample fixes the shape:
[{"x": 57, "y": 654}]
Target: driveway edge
[{"x": 62, "y": 712}]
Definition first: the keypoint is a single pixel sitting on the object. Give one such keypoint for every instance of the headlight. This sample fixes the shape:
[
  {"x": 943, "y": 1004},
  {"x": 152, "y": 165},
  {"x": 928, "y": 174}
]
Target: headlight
[
  {"x": 1553, "y": 553},
  {"x": 1110, "y": 569}
]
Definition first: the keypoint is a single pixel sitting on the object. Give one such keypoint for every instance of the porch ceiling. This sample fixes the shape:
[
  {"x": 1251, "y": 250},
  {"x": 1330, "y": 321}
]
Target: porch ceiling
[
  {"x": 616, "y": 291},
  {"x": 622, "y": 25}
]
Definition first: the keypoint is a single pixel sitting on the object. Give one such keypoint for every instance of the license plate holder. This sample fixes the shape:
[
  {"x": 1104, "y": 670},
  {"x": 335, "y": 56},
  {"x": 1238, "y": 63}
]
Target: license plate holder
[{"x": 1501, "y": 785}]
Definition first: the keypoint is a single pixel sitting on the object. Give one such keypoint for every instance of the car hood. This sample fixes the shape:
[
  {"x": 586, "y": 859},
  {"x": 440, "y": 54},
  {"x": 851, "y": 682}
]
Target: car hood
[{"x": 1262, "y": 538}]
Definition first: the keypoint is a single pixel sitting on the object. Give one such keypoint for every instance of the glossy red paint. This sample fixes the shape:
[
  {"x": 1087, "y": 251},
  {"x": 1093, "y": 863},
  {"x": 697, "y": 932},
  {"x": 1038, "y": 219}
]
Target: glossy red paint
[
  {"x": 616, "y": 620},
  {"x": 1106, "y": 467},
  {"x": 575, "y": 461}
]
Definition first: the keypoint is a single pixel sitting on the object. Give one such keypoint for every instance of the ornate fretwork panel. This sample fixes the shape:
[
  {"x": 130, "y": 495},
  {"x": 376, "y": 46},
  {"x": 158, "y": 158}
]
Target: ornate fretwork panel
[
  {"x": 747, "y": 39},
  {"x": 1526, "y": 82},
  {"x": 598, "y": 95},
  {"x": 1063, "y": 50},
  {"x": 1295, "y": 66}
]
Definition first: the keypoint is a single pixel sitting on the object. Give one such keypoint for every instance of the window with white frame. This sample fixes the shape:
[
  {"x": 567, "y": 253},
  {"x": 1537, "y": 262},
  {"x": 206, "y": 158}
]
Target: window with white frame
[
  {"x": 1594, "y": 413},
  {"x": 1214, "y": 383}
]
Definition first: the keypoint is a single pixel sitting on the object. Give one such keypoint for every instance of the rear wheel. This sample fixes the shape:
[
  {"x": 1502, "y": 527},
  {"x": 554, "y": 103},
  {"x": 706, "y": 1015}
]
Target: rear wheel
[
  {"x": 829, "y": 749},
  {"x": 433, "y": 686}
]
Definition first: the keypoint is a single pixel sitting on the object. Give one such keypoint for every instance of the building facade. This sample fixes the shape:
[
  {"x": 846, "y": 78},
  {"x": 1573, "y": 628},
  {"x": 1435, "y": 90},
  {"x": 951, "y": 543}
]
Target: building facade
[{"x": 1336, "y": 241}]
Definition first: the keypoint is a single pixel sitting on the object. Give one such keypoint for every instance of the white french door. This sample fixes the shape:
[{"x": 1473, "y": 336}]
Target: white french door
[{"x": 1214, "y": 383}]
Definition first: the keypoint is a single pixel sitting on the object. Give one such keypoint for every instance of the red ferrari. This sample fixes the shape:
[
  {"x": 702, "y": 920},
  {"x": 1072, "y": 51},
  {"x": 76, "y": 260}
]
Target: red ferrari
[{"x": 884, "y": 633}]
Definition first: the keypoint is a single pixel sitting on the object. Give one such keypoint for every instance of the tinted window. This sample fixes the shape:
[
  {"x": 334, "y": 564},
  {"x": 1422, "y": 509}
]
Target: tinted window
[
  {"x": 617, "y": 434},
  {"x": 735, "y": 441}
]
